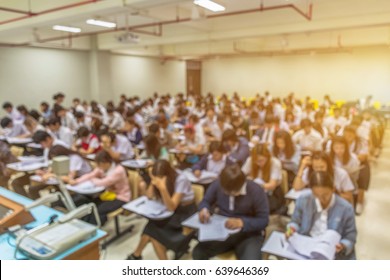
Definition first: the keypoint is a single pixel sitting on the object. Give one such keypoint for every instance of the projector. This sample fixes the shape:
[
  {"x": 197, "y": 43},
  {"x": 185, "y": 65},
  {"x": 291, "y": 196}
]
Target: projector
[{"x": 128, "y": 38}]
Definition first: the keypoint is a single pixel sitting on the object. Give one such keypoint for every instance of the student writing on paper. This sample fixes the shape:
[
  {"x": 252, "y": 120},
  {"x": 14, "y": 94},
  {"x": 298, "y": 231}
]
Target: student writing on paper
[
  {"x": 87, "y": 142},
  {"x": 153, "y": 151},
  {"x": 246, "y": 205},
  {"x": 321, "y": 161},
  {"x": 132, "y": 131},
  {"x": 214, "y": 161},
  {"x": 12, "y": 129},
  {"x": 261, "y": 166},
  {"x": 118, "y": 146},
  {"x": 193, "y": 144},
  {"x": 113, "y": 177},
  {"x": 323, "y": 209},
  {"x": 237, "y": 147},
  {"x": 175, "y": 192}
]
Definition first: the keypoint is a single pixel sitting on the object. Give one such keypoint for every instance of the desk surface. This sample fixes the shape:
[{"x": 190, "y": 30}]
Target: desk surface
[{"x": 41, "y": 215}]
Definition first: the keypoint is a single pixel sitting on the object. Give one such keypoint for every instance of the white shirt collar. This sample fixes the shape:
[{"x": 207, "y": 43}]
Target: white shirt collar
[{"x": 319, "y": 206}]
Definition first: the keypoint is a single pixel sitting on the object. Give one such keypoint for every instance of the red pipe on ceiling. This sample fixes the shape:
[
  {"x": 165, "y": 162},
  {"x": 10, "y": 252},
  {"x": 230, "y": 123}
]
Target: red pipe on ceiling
[
  {"x": 135, "y": 28},
  {"x": 29, "y": 14}
]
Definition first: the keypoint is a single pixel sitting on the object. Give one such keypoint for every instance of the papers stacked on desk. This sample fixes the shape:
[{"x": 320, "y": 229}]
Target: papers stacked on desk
[
  {"x": 15, "y": 140},
  {"x": 135, "y": 163},
  {"x": 214, "y": 230},
  {"x": 28, "y": 166},
  {"x": 150, "y": 209},
  {"x": 50, "y": 181},
  {"x": 91, "y": 156},
  {"x": 317, "y": 248},
  {"x": 85, "y": 188},
  {"x": 31, "y": 159},
  {"x": 35, "y": 146},
  {"x": 206, "y": 177},
  {"x": 294, "y": 194}
]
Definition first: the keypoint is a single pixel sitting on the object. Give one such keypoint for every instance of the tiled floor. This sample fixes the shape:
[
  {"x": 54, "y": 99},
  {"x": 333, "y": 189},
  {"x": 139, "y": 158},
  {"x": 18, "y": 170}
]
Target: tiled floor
[{"x": 373, "y": 225}]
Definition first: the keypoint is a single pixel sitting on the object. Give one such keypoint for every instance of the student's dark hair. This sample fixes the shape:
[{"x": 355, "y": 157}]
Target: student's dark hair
[
  {"x": 35, "y": 114},
  {"x": 321, "y": 179},
  {"x": 58, "y": 95},
  {"x": 79, "y": 114},
  {"x": 82, "y": 132},
  {"x": 152, "y": 146},
  {"x": 221, "y": 118},
  {"x": 216, "y": 146},
  {"x": 104, "y": 132},
  {"x": 194, "y": 118},
  {"x": 347, "y": 154},
  {"x": 5, "y": 122},
  {"x": 7, "y": 105},
  {"x": 76, "y": 100},
  {"x": 22, "y": 109},
  {"x": 305, "y": 123},
  {"x": 154, "y": 128},
  {"x": 40, "y": 136},
  {"x": 229, "y": 135},
  {"x": 59, "y": 150},
  {"x": 289, "y": 150},
  {"x": 103, "y": 157},
  {"x": 133, "y": 122},
  {"x": 45, "y": 105},
  {"x": 54, "y": 121},
  {"x": 321, "y": 155},
  {"x": 269, "y": 119},
  {"x": 161, "y": 168},
  {"x": 261, "y": 150},
  {"x": 232, "y": 178}
]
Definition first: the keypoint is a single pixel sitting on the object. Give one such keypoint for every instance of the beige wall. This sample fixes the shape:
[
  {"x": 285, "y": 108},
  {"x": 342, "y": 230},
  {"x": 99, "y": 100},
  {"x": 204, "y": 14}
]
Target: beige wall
[{"x": 342, "y": 75}]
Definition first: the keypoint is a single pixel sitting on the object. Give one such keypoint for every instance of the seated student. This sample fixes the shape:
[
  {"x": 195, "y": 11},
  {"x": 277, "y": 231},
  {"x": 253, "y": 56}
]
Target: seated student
[
  {"x": 266, "y": 170},
  {"x": 289, "y": 154},
  {"x": 11, "y": 129},
  {"x": 218, "y": 128},
  {"x": 66, "y": 117},
  {"x": 47, "y": 142},
  {"x": 82, "y": 120},
  {"x": 12, "y": 113},
  {"x": 193, "y": 145},
  {"x": 6, "y": 157},
  {"x": 307, "y": 138},
  {"x": 359, "y": 147},
  {"x": 291, "y": 120},
  {"x": 113, "y": 177},
  {"x": 118, "y": 146},
  {"x": 336, "y": 122},
  {"x": 237, "y": 147},
  {"x": 241, "y": 126},
  {"x": 175, "y": 192},
  {"x": 87, "y": 143},
  {"x": 32, "y": 126},
  {"x": 165, "y": 137},
  {"x": 195, "y": 122},
  {"x": 60, "y": 132},
  {"x": 342, "y": 157},
  {"x": 266, "y": 133},
  {"x": 132, "y": 131},
  {"x": 45, "y": 111},
  {"x": 114, "y": 119},
  {"x": 321, "y": 210},
  {"x": 246, "y": 206},
  {"x": 321, "y": 161},
  {"x": 153, "y": 151},
  {"x": 214, "y": 161}
]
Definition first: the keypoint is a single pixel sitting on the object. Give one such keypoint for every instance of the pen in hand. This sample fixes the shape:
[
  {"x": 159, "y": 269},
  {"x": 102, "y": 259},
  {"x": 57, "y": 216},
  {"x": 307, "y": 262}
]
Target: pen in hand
[{"x": 140, "y": 203}]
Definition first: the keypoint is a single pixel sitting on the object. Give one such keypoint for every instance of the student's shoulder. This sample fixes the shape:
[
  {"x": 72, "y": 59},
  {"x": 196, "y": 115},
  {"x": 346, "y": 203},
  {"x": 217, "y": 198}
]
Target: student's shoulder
[
  {"x": 253, "y": 189},
  {"x": 343, "y": 204}
]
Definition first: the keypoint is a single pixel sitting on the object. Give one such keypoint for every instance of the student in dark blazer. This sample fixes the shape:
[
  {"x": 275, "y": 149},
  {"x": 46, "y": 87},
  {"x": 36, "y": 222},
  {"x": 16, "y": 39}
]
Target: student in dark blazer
[
  {"x": 237, "y": 147},
  {"x": 246, "y": 205}
]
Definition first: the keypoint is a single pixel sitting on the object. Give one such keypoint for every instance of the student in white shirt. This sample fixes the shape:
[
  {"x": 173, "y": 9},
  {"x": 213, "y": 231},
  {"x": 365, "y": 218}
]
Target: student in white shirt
[
  {"x": 11, "y": 129},
  {"x": 67, "y": 118},
  {"x": 266, "y": 170},
  {"x": 307, "y": 138},
  {"x": 87, "y": 142},
  {"x": 118, "y": 146},
  {"x": 359, "y": 147},
  {"x": 214, "y": 161},
  {"x": 209, "y": 121},
  {"x": 12, "y": 113},
  {"x": 335, "y": 123},
  {"x": 219, "y": 127},
  {"x": 132, "y": 131},
  {"x": 60, "y": 132},
  {"x": 323, "y": 210},
  {"x": 114, "y": 120},
  {"x": 342, "y": 157},
  {"x": 321, "y": 161},
  {"x": 192, "y": 147}
]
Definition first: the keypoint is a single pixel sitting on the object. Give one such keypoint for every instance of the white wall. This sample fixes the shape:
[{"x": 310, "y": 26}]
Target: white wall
[
  {"x": 144, "y": 76},
  {"x": 342, "y": 75},
  {"x": 31, "y": 75}
]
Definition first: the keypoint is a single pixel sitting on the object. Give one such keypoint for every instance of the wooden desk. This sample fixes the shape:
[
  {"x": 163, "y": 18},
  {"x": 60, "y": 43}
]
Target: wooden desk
[{"x": 86, "y": 250}]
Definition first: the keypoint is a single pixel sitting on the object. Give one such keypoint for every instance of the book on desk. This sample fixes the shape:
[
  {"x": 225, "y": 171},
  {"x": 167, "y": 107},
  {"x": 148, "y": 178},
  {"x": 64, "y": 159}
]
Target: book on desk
[{"x": 151, "y": 209}]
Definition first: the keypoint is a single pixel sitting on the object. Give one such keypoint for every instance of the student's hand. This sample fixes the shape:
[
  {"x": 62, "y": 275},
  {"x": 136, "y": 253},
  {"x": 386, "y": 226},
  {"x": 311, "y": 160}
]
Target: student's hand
[
  {"x": 72, "y": 182},
  {"x": 197, "y": 173},
  {"x": 46, "y": 176},
  {"x": 234, "y": 223},
  {"x": 339, "y": 247},
  {"x": 160, "y": 183},
  {"x": 65, "y": 179},
  {"x": 40, "y": 172},
  {"x": 290, "y": 231},
  {"x": 306, "y": 161},
  {"x": 204, "y": 215}
]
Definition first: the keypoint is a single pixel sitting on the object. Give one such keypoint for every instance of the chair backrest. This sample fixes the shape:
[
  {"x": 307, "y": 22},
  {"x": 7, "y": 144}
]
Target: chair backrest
[
  {"x": 199, "y": 193},
  {"x": 134, "y": 179},
  {"x": 284, "y": 184}
]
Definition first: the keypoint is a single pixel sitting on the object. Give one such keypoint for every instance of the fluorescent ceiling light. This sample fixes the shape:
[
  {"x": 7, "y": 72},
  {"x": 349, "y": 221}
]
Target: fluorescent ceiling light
[
  {"x": 210, "y": 5},
  {"x": 101, "y": 23},
  {"x": 67, "y": 28}
]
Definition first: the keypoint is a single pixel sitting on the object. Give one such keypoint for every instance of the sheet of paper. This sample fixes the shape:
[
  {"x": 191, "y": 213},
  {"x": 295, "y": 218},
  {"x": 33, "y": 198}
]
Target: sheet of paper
[
  {"x": 151, "y": 209},
  {"x": 14, "y": 140},
  {"x": 138, "y": 163},
  {"x": 50, "y": 181},
  {"x": 277, "y": 245},
  {"x": 31, "y": 159},
  {"x": 214, "y": 230},
  {"x": 27, "y": 166},
  {"x": 206, "y": 177},
  {"x": 294, "y": 195},
  {"x": 85, "y": 188}
]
